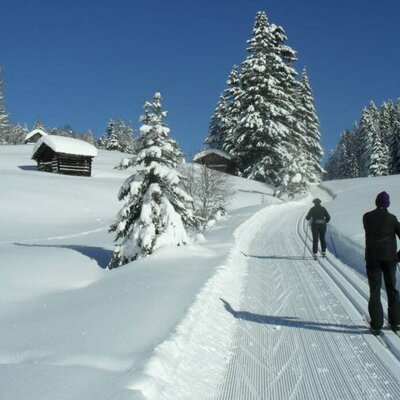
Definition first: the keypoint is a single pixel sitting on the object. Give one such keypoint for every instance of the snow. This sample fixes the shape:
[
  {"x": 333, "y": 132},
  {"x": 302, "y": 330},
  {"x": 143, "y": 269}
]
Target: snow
[
  {"x": 236, "y": 314},
  {"x": 212, "y": 151},
  {"x": 66, "y": 145},
  {"x": 34, "y": 132}
]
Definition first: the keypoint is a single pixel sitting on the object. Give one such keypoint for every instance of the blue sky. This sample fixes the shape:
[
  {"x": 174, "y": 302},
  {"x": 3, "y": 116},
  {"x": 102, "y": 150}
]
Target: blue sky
[{"x": 84, "y": 62}]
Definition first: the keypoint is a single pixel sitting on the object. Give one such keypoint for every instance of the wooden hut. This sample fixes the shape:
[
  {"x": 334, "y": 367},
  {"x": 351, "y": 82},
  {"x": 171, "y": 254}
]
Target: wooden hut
[
  {"x": 34, "y": 136},
  {"x": 216, "y": 159},
  {"x": 64, "y": 155}
]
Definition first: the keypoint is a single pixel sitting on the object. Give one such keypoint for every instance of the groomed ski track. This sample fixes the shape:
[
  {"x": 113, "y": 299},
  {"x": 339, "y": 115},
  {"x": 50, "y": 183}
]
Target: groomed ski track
[{"x": 300, "y": 332}]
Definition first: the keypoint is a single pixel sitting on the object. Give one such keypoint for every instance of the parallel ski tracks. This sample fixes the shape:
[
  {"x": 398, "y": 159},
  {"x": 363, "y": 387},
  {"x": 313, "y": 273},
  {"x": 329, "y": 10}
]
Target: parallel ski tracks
[
  {"x": 299, "y": 334},
  {"x": 354, "y": 288}
]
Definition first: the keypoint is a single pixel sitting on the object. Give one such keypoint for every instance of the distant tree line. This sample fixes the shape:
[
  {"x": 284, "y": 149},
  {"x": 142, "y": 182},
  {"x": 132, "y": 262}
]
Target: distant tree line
[
  {"x": 266, "y": 119},
  {"x": 371, "y": 147}
]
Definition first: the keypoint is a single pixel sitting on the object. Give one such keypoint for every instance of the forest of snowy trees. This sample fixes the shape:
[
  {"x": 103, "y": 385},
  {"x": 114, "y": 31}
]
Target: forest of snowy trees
[
  {"x": 266, "y": 119},
  {"x": 371, "y": 147}
]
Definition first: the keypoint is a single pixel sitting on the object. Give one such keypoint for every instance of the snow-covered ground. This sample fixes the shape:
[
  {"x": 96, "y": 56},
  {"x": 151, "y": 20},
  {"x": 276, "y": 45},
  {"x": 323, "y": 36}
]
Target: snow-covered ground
[
  {"x": 240, "y": 315},
  {"x": 70, "y": 328}
]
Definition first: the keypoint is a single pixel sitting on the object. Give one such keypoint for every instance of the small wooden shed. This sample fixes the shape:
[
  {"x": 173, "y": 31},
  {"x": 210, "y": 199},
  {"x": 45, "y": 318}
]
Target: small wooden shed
[
  {"x": 64, "y": 155},
  {"x": 34, "y": 136},
  {"x": 216, "y": 159}
]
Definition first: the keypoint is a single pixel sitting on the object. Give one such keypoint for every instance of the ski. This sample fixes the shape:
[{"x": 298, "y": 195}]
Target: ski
[{"x": 378, "y": 336}]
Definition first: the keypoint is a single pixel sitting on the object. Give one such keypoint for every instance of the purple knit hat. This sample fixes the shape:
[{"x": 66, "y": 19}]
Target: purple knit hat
[{"x": 382, "y": 200}]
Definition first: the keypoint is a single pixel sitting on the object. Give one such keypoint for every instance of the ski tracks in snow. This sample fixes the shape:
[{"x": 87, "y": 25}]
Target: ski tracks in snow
[{"x": 298, "y": 335}]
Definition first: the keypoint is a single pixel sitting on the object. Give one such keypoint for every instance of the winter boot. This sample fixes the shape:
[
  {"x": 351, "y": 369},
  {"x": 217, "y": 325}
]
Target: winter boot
[
  {"x": 323, "y": 254},
  {"x": 375, "y": 332},
  {"x": 315, "y": 256}
]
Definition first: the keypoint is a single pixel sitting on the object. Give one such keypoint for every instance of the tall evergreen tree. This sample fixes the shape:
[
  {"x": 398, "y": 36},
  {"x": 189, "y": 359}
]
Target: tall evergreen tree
[
  {"x": 4, "y": 117},
  {"x": 312, "y": 136},
  {"x": 265, "y": 121},
  {"x": 394, "y": 141},
  {"x": 225, "y": 115},
  {"x": 217, "y": 129},
  {"x": 155, "y": 208}
]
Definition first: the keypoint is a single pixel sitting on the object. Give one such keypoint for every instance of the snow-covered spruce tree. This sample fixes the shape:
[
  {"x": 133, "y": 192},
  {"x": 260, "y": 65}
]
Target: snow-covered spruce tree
[
  {"x": 225, "y": 115},
  {"x": 232, "y": 95},
  {"x": 4, "y": 118},
  {"x": 375, "y": 153},
  {"x": 394, "y": 141},
  {"x": 294, "y": 176},
  {"x": 217, "y": 128},
  {"x": 308, "y": 117},
  {"x": 264, "y": 136},
  {"x": 346, "y": 162},
  {"x": 112, "y": 141},
  {"x": 155, "y": 210}
]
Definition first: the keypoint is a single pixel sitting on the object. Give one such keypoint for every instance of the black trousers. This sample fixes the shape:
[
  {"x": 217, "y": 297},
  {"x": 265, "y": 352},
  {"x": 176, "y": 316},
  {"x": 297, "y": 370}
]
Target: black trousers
[
  {"x": 318, "y": 232},
  {"x": 375, "y": 270}
]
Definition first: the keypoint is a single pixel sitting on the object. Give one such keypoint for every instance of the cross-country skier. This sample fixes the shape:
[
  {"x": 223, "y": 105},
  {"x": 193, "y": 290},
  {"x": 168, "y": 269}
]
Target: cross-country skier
[
  {"x": 319, "y": 217},
  {"x": 381, "y": 229}
]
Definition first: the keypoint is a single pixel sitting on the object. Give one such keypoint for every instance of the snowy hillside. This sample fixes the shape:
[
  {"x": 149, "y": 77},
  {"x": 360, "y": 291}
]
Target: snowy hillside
[
  {"x": 70, "y": 328},
  {"x": 244, "y": 314}
]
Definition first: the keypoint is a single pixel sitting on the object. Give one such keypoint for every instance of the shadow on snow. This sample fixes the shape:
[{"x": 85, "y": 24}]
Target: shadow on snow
[
  {"x": 274, "y": 257},
  {"x": 294, "y": 322},
  {"x": 101, "y": 255}
]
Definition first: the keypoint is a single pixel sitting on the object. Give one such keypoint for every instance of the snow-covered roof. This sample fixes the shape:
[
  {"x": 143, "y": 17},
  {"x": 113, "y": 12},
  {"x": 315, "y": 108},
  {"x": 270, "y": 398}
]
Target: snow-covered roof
[
  {"x": 34, "y": 132},
  {"x": 66, "y": 145},
  {"x": 212, "y": 151}
]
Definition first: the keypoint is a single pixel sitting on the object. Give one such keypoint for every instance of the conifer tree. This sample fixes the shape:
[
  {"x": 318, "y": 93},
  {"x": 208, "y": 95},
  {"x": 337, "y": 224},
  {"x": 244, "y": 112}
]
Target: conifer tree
[
  {"x": 155, "y": 210},
  {"x": 232, "y": 95},
  {"x": 218, "y": 128},
  {"x": 263, "y": 132},
  {"x": 112, "y": 137},
  {"x": 225, "y": 115},
  {"x": 4, "y": 117},
  {"x": 308, "y": 117}
]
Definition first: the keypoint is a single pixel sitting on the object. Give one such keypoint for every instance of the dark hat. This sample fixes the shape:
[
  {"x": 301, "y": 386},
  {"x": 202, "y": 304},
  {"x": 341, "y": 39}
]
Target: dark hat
[
  {"x": 382, "y": 200},
  {"x": 316, "y": 201}
]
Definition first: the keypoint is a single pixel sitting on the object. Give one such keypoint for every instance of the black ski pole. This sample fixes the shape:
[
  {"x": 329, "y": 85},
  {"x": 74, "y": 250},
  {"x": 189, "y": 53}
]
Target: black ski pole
[
  {"x": 305, "y": 243},
  {"x": 333, "y": 244}
]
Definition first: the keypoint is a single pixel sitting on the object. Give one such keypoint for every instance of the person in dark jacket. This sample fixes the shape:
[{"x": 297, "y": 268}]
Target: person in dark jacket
[
  {"x": 381, "y": 229},
  {"x": 319, "y": 217}
]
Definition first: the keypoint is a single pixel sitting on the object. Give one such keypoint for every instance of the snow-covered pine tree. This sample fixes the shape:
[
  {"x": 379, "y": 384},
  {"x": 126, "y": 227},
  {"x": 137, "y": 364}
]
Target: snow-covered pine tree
[
  {"x": 217, "y": 128},
  {"x": 346, "y": 162},
  {"x": 264, "y": 133},
  {"x": 308, "y": 117},
  {"x": 375, "y": 153},
  {"x": 4, "y": 117},
  {"x": 38, "y": 124},
  {"x": 112, "y": 139},
  {"x": 386, "y": 120},
  {"x": 155, "y": 210},
  {"x": 232, "y": 95},
  {"x": 225, "y": 115},
  {"x": 394, "y": 140}
]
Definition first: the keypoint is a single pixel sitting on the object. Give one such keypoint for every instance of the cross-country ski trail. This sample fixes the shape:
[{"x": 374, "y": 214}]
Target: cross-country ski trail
[{"x": 298, "y": 336}]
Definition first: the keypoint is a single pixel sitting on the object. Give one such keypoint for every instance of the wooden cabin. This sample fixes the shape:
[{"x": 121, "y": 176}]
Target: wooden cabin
[
  {"x": 216, "y": 159},
  {"x": 64, "y": 155},
  {"x": 34, "y": 136}
]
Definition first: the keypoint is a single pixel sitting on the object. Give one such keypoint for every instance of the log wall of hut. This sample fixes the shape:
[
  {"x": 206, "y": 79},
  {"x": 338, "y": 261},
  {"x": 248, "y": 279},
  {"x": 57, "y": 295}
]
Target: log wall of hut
[{"x": 214, "y": 161}]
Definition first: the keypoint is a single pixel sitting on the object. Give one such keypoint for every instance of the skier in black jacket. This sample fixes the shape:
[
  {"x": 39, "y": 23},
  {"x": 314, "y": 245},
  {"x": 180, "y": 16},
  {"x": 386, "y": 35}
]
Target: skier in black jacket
[
  {"x": 381, "y": 229},
  {"x": 319, "y": 218}
]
